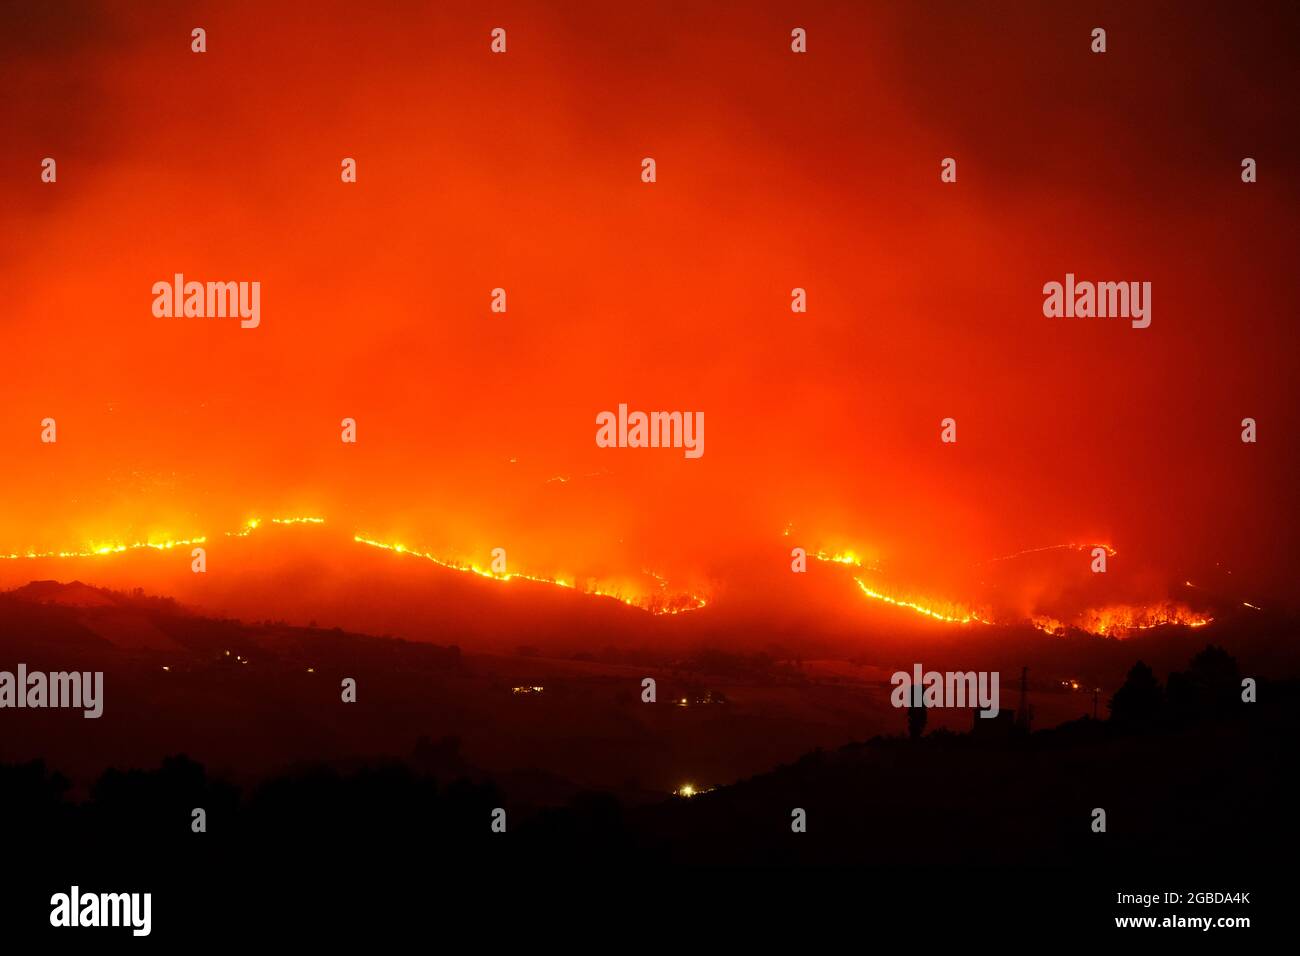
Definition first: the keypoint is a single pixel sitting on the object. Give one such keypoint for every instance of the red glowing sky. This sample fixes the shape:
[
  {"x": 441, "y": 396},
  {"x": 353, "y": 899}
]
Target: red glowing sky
[{"x": 774, "y": 171}]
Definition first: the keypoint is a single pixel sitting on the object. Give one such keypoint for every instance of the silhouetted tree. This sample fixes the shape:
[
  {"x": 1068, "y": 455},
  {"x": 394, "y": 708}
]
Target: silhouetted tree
[
  {"x": 156, "y": 804},
  {"x": 916, "y": 716},
  {"x": 1210, "y": 686},
  {"x": 1139, "y": 699}
]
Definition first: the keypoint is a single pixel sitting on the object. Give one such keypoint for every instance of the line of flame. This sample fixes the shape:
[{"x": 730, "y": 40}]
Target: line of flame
[
  {"x": 1110, "y": 552},
  {"x": 94, "y": 551},
  {"x": 839, "y": 557},
  {"x": 679, "y": 604},
  {"x": 967, "y": 617},
  {"x": 690, "y": 602},
  {"x": 1121, "y": 619}
]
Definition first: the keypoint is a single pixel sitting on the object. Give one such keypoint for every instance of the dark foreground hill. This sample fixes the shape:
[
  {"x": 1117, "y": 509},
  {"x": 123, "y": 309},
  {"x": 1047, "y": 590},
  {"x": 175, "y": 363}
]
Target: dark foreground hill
[
  {"x": 1198, "y": 788},
  {"x": 1194, "y": 782}
]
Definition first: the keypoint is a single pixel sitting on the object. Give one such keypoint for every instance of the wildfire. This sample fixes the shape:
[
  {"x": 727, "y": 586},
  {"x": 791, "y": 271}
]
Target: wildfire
[
  {"x": 94, "y": 550},
  {"x": 1114, "y": 621},
  {"x": 1120, "y": 620},
  {"x": 950, "y": 613},
  {"x": 848, "y": 557},
  {"x": 689, "y": 790},
  {"x": 1111, "y": 621},
  {"x": 678, "y": 604},
  {"x": 839, "y": 557},
  {"x": 99, "y": 550},
  {"x": 1110, "y": 552},
  {"x": 1117, "y": 620},
  {"x": 255, "y": 523},
  {"x": 660, "y": 603},
  {"x": 1048, "y": 624}
]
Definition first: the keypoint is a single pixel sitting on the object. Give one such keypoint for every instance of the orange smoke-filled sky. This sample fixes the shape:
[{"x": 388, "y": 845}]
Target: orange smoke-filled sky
[{"x": 775, "y": 171}]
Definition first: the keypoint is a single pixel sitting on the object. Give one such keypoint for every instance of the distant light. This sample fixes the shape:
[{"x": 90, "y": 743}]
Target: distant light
[
  {"x": 166, "y": 668},
  {"x": 686, "y": 790},
  {"x": 311, "y": 670}
]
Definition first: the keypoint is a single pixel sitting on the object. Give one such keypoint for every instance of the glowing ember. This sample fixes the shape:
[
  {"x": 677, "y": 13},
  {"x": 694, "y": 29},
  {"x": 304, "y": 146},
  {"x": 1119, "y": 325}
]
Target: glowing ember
[{"x": 690, "y": 790}]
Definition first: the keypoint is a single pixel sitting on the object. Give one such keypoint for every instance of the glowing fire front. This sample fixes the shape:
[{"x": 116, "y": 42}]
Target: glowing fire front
[
  {"x": 1112, "y": 621},
  {"x": 658, "y": 604},
  {"x": 1110, "y": 552},
  {"x": 1109, "y": 621},
  {"x": 950, "y": 613},
  {"x": 98, "y": 550},
  {"x": 1120, "y": 620}
]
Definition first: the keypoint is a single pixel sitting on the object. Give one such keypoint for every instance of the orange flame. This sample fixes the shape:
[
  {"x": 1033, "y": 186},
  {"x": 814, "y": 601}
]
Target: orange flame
[
  {"x": 949, "y": 613},
  {"x": 658, "y": 603},
  {"x": 677, "y": 604},
  {"x": 98, "y": 550},
  {"x": 1118, "y": 620}
]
